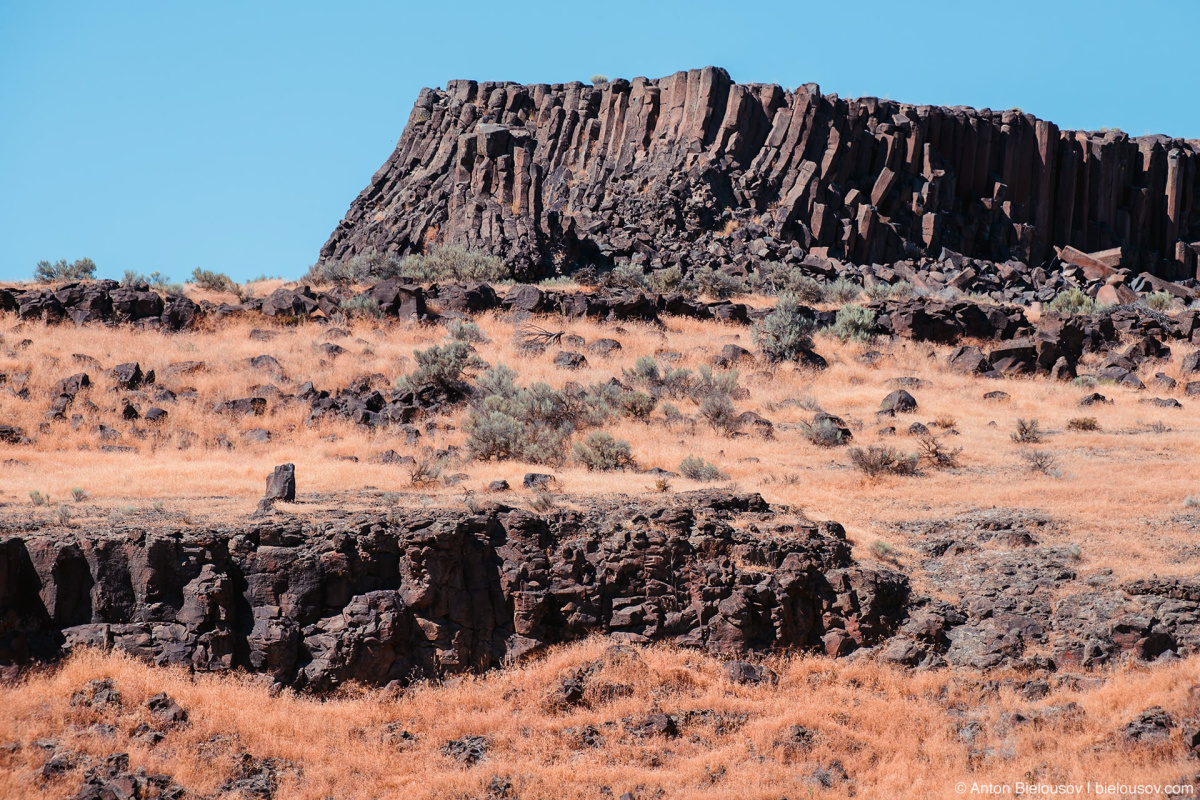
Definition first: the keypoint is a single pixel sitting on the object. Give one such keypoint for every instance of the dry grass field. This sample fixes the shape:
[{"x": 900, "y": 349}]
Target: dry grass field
[
  {"x": 864, "y": 730},
  {"x": 1119, "y": 493}
]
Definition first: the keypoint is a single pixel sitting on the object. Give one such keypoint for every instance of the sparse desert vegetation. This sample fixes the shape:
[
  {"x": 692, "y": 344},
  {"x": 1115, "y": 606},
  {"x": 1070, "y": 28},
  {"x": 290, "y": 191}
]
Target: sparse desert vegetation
[
  {"x": 615, "y": 446},
  {"x": 639, "y": 720}
]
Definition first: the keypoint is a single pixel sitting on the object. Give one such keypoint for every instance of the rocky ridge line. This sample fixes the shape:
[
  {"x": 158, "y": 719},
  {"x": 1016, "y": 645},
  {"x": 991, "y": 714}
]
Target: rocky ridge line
[{"x": 696, "y": 170}]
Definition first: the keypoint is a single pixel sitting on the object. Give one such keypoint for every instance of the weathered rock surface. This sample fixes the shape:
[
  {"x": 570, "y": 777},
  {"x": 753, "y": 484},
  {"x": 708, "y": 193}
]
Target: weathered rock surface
[
  {"x": 1025, "y": 603},
  {"x": 696, "y": 170},
  {"x": 317, "y": 602}
]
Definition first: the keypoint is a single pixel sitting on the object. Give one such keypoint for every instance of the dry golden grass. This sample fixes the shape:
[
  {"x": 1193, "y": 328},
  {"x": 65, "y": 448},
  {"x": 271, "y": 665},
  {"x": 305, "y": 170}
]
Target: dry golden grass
[
  {"x": 1120, "y": 496},
  {"x": 894, "y": 733}
]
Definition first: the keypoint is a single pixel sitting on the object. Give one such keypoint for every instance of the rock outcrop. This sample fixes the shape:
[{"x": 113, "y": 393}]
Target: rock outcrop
[
  {"x": 696, "y": 170},
  {"x": 332, "y": 597},
  {"x": 318, "y": 602}
]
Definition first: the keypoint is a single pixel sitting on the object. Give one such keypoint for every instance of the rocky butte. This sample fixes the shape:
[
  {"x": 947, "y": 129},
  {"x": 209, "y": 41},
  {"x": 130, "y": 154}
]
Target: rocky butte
[{"x": 665, "y": 172}]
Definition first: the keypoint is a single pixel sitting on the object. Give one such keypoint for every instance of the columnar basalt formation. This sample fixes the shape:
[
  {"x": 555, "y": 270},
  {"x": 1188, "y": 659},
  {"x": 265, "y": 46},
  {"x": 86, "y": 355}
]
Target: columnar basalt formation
[{"x": 664, "y": 172}]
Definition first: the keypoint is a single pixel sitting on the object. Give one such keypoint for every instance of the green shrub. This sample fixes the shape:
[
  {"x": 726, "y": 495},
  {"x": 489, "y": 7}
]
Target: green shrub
[
  {"x": 443, "y": 366},
  {"x": 156, "y": 280},
  {"x": 883, "y": 551},
  {"x": 599, "y": 79},
  {"x": 714, "y": 282},
  {"x": 39, "y": 499},
  {"x": 214, "y": 281},
  {"x": 624, "y": 276},
  {"x": 775, "y": 278},
  {"x": 494, "y": 434},
  {"x": 637, "y": 405},
  {"x": 1027, "y": 432},
  {"x": 361, "y": 305},
  {"x": 644, "y": 371},
  {"x": 678, "y": 382},
  {"x": 786, "y": 332},
  {"x": 664, "y": 280},
  {"x": 674, "y": 382},
  {"x": 81, "y": 269},
  {"x": 878, "y": 460},
  {"x": 63, "y": 515},
  {"x": 698, "y": 469},
  {"x": 824, "y": 432},
  {"x": 878, "y": 291},
  {"x": 454, "y": 263},
  {"x": 532, "y": 424},
  {"x": 345, "y": 272},
  {"x": 465, "y": 331},
  {"x": 445, "y": 264},
  {"x": 1159, "y": 301},
  {"x": 708, "y": 383},
  {"x": 842, "y": 290},
  {"x": 78, "y": 495},
  {"x": 1071, "y": 302},
  {"x": 600, "y": 452},
  {"x": 498, "y": 380},
  {"x": 719, "y": 412},
  {"x": 854, "y": 323}
]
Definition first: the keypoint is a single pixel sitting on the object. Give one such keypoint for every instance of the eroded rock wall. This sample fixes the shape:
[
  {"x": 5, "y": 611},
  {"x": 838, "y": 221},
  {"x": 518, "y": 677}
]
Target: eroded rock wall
[
  {"x": 376, "y": 598},
  {"x": 362, "y": 598},
  {"x": 694, "y": 169}
]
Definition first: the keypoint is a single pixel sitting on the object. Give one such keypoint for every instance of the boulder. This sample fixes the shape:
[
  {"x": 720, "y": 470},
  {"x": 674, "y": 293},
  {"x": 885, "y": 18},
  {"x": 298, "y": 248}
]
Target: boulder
[
  {"x": 281, "y": 484},
  {"x": 538, "y": 480},
  {"x": 604, "y": 347},
  {"x": 899, "y": 402},
  {"x": 127, "y": 376},
  {"x": 969, "y": 360},
  {"x": 569, "y": 360}
]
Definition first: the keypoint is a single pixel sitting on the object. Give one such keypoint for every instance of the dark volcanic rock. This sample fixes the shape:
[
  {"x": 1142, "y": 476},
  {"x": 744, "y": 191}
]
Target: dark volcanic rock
[
  {"x": 321, "y": 600},
  {"x": 900, "y": 402},
  {"x": 281, "y": 484},
  {"x": 664, "y": 164},
  {"x": 569, "y": 360}
]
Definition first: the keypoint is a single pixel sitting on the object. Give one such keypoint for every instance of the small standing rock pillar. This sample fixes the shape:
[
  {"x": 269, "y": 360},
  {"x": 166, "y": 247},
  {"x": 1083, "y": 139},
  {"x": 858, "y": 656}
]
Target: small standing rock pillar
[{"x": 281, "y": 484}]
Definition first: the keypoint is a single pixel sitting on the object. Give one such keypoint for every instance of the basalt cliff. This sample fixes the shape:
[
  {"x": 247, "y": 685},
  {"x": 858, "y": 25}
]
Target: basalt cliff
[{"x": 695, "y": 170}]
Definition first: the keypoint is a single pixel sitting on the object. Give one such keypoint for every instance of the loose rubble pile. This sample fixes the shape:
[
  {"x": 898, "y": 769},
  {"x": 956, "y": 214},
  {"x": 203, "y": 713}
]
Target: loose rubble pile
[
  {"x": 333, "y": 597},
  {"x": 698, "y": 171}
]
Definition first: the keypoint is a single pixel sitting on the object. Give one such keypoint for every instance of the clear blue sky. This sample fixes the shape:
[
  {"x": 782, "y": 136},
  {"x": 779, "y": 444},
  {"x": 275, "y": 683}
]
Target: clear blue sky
[{"x": 233, "y": 136}]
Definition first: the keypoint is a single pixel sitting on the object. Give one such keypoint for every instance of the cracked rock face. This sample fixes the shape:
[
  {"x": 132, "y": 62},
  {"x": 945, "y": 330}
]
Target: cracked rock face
[
  {"x": 340, "y": 596},
  {"x": 1023, "y": 602},
  {"x": 660, "y": 171},
  {"x": 315, "y": 603}
]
